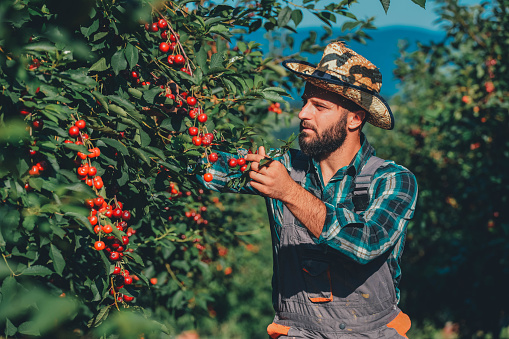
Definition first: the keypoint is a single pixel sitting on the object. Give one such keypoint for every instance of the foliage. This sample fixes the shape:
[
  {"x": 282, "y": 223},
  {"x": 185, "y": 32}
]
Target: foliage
[
  {"x": 100, "y": 216},
  {"x": 452, "y": 132}
]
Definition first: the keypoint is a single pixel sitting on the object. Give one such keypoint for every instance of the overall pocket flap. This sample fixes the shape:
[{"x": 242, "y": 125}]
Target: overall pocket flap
[{"x": 314, "y": 268}]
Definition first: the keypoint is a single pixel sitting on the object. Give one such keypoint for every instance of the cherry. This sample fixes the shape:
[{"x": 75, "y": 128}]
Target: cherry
[
  {"x": 128, "y": 280},
  {"x": 97, "y": 229},
  {"x": 126, "y": 215},
  {"x": 197, "y": 141},
  {"x": 154, "y": 27},
  {"x": 232, "y": 162},
  {"x": 82, "y": 155},
  {"x": 173, "y": 46},
  {"x": 171, "y": 59},
  {"x": 243, "y": 168},
  {"x": 37, "y": 124},
  {"x": 93, "y": 220},
  {"x": 128, "y": 298},
  {"x": 98, "y": 201},
  {"x": 135, "y": 75},
  {"x": 164, "y": 35},
  {"x": 80, "y": 124},
  {"x": 99, "y": 245},
  {"x": 94, "y": 152},
  {"x": 164, "y": 47},
  {"x": 206, "y": 141},
  {"x": 179, "y": 60},
  {"x": 193, "y": 131},
  {"x": 125, "y": 239},
  {"x": 34, "y": 170},
  {"x": 82, "y": 171},
  {"x": 202, "y": 117},
  {"x": 107, "y": 229},
  {"x": 173, "y": 37},
  {"x": 92, "y": 171},
  {"x": 192, "y": 113},
  {"x": 116, "y": 270},
  {"x": 98, "y": 183},
  {"x": 162, "y": 23},
  {"x": 117, "y": 213},
  {"x": 114, "y": 255},
  {"x": 191, "y": 101},
  {"x": 74, "y": 131},
  {"x": 213, "y": 157},
  {"x": 241, "y": 162},
  {"x": 208, "y": 177},
  {"x": 24, "y": 112}
]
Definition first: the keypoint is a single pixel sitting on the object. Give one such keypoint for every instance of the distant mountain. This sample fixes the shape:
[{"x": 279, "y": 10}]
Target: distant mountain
[{"x": 382, "y": 50}]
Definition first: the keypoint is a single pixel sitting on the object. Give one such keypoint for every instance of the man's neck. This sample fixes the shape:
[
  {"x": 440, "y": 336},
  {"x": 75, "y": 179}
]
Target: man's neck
[{"x": 340, "y": 158}]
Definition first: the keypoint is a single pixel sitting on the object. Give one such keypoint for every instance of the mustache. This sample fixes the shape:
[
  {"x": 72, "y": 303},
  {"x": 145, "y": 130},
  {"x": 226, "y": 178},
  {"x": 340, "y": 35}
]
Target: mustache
[{"x": 307, "y": 125}]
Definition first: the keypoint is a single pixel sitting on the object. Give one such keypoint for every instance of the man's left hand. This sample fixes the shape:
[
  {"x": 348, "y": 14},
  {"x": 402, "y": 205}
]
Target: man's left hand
[{"x": 272, "y": 179}]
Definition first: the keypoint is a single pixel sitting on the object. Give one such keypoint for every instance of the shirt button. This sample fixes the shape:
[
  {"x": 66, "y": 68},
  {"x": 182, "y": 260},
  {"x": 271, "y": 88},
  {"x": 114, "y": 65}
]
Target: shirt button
[{"x": 342, "y": 326}]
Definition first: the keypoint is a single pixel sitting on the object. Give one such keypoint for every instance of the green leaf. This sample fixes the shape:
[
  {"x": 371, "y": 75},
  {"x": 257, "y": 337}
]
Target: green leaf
[
  {"x": 151, "y": 94},
  {"x": 284, "y": 16},
  {"x": 350, "y": 25},
  {"x": 10, "y": 329},
  {"x": 216, "y": 62},
  {"x": 99, "y": 66},
  {"x": 118, "y": 61},
  {"x": 421, "y": 3},
  {"x": 29, "y": 328},
  {"x": 37, "y": 270},
  {"x": 201, "y": 59},
  {"x": 141, "y": 154},
  {"x": 131, "y": 54},
  {"x": 100, "y": 317},
  {"x": 297, "y": 16},
  {"x": 385, "y": 4},
  {"x": 58, "y": 259},
  {"x": 116, "y": 145}
]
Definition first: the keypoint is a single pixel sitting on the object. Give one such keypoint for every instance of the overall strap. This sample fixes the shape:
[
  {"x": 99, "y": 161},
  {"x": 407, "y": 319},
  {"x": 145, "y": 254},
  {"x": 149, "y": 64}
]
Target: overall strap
[
  {"x": 362, "y": 183},
  {"x": 300, "y": 165}
]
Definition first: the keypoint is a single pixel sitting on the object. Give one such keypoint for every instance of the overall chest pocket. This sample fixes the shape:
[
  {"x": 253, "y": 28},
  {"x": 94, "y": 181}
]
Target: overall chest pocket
[{"x": 317, "y": 280}]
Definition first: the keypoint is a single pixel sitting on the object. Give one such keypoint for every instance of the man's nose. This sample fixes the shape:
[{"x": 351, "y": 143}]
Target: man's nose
[{"x": 306, "y": 112}]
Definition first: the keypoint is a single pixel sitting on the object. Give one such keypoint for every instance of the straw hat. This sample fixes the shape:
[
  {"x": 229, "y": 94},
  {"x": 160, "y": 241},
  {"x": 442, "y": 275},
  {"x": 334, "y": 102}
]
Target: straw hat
[{"x": 349, "y": 74}]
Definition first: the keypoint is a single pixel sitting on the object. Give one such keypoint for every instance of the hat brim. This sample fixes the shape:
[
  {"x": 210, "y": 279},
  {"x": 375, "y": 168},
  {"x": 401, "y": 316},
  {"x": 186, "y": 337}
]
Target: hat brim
[{"x": 380, "y": 114}]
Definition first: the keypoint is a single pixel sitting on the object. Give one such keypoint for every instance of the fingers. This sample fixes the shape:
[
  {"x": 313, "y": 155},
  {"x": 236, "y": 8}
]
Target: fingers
[{"x": 261, "y": 151}]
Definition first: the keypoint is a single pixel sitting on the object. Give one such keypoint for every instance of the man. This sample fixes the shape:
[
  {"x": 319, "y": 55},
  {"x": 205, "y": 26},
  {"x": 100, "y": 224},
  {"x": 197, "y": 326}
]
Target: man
[{"x": 338, "y": 219}]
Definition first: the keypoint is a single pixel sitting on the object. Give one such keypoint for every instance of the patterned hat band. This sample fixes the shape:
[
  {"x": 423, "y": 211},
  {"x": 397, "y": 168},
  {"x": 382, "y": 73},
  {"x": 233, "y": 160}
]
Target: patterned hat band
[{"x": 349, "y": 74}]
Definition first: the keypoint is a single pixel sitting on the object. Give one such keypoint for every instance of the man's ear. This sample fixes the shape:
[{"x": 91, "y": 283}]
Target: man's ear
[{"x": 356, "y": 119}]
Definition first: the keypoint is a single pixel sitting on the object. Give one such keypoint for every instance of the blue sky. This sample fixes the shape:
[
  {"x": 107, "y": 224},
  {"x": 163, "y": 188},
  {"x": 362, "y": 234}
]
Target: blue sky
[{"x": 401, "y": 13}]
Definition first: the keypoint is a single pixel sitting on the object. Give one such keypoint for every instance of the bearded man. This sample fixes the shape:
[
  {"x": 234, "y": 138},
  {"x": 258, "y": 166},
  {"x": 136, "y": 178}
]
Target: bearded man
[{"x": 338, "y": 213}]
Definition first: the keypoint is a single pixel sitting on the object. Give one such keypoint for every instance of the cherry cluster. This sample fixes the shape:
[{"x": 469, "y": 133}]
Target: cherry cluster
[{"x": 276, "y": 108}]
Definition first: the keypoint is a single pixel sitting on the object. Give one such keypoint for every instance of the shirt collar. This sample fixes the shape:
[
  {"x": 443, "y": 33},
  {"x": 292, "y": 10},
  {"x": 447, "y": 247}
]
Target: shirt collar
[{"x": 364, "y": 153}]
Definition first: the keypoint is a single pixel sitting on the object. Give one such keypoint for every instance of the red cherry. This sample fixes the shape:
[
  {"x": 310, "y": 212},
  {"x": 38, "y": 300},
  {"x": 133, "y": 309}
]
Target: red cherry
[
  {"x": 162, "y": 23},
  {"x": 197, "y": 141},
  {"x": 126, "y": 215},
  {"x": 34, "y": 170},
  {"x": 98, "y": 184},
  {"x": 202, "y": 117},
  {"x": 206, "y": 141},
  {"x": 125, "y": 239},
  {"x": 92, "y": 171},
  {"x": 173, "y": 46},
  {"x": 128, "y": 298},
  {"x": 99, "y": 245},
  {"x": 164, "y": 35},
  {"x": 24, "y": 112},
  {"x": 82, "y": 171},
  {"x": 191, "y": 101},
  {"x": 154, "y": 27},
  {"x": 114, "y": 255},
  {"x": 241, "y": 162},
  {"x": 116, "y": 270},
  {"x": 164, "y": 47},
  {"x": 128, "y": 280},
  {"x": 74, "y": 131},
  {"x": 107, "y": 229},
  {"x": 171, "y": 59},
  {"x": 82, "y": 155},
  {"x": 243, "y": 168},
  {"x": 93, "y": 220},
  {"x": 232, "y": 162},
  {"x": 173, "y": 38},
  {"x": 192, "y": 113},
  {"x": 179, "y": 60},
  {"x": 117, "y": 213},
  {"x": 208, "y": 177},
  {"x": 80, "y": 124},
  {"x": 98, "y": 201},
  {"x": 193, "y": 131},
  {"x": 37, "y": 124},
  {"x": 135, "y": 75},
  {"x": 213, "y": 157}
]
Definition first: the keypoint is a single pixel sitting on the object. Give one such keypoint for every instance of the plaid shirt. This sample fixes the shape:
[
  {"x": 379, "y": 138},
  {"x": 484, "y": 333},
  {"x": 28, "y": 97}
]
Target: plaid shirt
[{"x": 362, "y": 237}]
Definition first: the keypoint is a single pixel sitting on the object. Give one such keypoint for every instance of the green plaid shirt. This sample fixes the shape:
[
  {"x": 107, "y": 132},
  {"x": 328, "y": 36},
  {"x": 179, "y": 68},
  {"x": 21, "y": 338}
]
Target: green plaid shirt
[{"x": 362, "y": 237}]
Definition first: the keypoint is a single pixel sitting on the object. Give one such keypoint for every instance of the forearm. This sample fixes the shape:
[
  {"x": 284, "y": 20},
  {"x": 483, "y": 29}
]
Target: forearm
[{"x": 307, "y": 208}]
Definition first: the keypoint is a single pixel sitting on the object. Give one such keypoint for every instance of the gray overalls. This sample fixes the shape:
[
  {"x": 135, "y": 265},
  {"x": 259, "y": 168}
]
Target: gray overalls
[{"x": 319, "y": 292}]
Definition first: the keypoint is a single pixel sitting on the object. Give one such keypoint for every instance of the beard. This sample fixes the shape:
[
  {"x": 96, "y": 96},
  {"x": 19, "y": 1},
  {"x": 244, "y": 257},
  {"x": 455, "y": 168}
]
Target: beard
[{"x": 325, "y": 143}]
